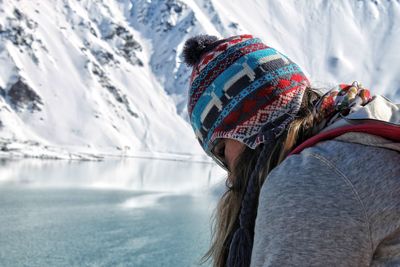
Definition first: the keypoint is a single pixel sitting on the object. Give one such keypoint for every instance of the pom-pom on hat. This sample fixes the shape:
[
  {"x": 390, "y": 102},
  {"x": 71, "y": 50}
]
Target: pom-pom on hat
[
  {"x": 240, "y": 88},
  {"x": 196, "y": 46}
]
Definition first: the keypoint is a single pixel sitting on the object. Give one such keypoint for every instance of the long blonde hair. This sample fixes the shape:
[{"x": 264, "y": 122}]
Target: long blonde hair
[{"x": 225, "y": 217}]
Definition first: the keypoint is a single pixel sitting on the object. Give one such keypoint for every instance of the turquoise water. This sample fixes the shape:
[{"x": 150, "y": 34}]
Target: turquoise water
[{"x": 75, "y": 224}]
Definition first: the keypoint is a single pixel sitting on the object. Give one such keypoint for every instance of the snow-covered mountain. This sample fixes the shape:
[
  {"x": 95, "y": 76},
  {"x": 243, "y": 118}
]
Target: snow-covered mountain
[{"x": 88, "y": 78}]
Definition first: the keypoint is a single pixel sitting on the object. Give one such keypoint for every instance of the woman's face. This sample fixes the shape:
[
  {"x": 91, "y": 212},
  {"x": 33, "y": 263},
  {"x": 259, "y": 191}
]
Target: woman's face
[{"x": 227, "y": 151}]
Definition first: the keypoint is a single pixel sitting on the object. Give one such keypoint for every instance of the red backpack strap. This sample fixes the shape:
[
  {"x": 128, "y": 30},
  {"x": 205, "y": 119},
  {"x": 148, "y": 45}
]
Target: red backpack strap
[{"x": 385, "y": 130}]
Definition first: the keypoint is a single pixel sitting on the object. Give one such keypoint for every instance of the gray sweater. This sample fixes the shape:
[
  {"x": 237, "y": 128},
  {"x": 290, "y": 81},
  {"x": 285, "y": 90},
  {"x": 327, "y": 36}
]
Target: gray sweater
[{"x": 334, "y": 204}]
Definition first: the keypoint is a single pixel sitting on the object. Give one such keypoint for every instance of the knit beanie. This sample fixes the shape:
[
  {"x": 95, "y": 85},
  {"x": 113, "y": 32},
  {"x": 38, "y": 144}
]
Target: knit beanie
[
  {"x": 244, "y": 90},
  {"x": 240, "y": 88}
]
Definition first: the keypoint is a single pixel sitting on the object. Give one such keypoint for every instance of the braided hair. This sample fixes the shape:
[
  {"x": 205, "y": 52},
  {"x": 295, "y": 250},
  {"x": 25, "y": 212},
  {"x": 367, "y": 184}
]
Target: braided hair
[{"x": 242, "y": 241}]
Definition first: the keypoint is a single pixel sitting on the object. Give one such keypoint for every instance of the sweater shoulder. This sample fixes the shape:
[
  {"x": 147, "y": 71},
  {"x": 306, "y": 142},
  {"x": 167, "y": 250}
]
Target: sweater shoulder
[
  {"x": 372, "y": 172},
  {"x": 302, "y": 205},
  {"x": 334, "y": 200}
]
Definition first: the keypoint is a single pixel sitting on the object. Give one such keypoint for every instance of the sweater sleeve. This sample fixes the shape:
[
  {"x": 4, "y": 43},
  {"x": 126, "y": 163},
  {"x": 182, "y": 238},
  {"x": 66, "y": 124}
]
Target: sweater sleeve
[{"x": 309, "y": 214}]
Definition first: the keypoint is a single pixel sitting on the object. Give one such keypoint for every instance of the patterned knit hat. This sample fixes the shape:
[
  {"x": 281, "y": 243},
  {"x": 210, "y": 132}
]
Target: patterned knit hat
[{"x": 240, "y": 88}]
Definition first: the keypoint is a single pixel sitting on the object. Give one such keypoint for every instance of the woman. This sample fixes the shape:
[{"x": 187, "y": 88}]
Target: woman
[{"x": 313, "y": 177}]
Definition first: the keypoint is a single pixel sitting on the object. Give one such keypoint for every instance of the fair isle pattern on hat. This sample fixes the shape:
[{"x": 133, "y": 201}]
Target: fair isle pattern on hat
[
  {"x": 241, "y": 88},
  {"x": 217, "y": 51},
  {"x": 202, "y": 77}
]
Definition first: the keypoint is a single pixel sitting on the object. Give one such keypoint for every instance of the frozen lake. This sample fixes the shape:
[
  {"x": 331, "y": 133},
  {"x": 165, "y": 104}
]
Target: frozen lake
[{"x": 114, "y": 213}]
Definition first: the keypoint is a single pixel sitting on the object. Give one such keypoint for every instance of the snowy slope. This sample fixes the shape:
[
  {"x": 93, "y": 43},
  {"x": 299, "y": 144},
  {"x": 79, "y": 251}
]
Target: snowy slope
[
  {"x": 94, "y": 78},
  {"x": 89, "y": 72}
]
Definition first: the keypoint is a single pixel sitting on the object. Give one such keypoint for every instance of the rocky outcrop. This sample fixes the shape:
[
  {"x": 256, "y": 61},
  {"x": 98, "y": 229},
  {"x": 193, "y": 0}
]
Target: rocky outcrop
[
  {"x": 21, "y": 96},
  {"x": 127, "y": 45},
  {"x": 159, "y": 16},
  {"x": 20, "y": 31},
  {"x": 2, "y": 92},
  {"x": 115, "y": 92}
]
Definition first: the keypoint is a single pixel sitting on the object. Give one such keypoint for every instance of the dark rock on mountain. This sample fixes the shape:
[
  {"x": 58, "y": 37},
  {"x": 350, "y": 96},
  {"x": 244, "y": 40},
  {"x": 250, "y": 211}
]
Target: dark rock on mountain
[
  {"x": 21, "y": 95},
  {"x": 2, "y": 92}
]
